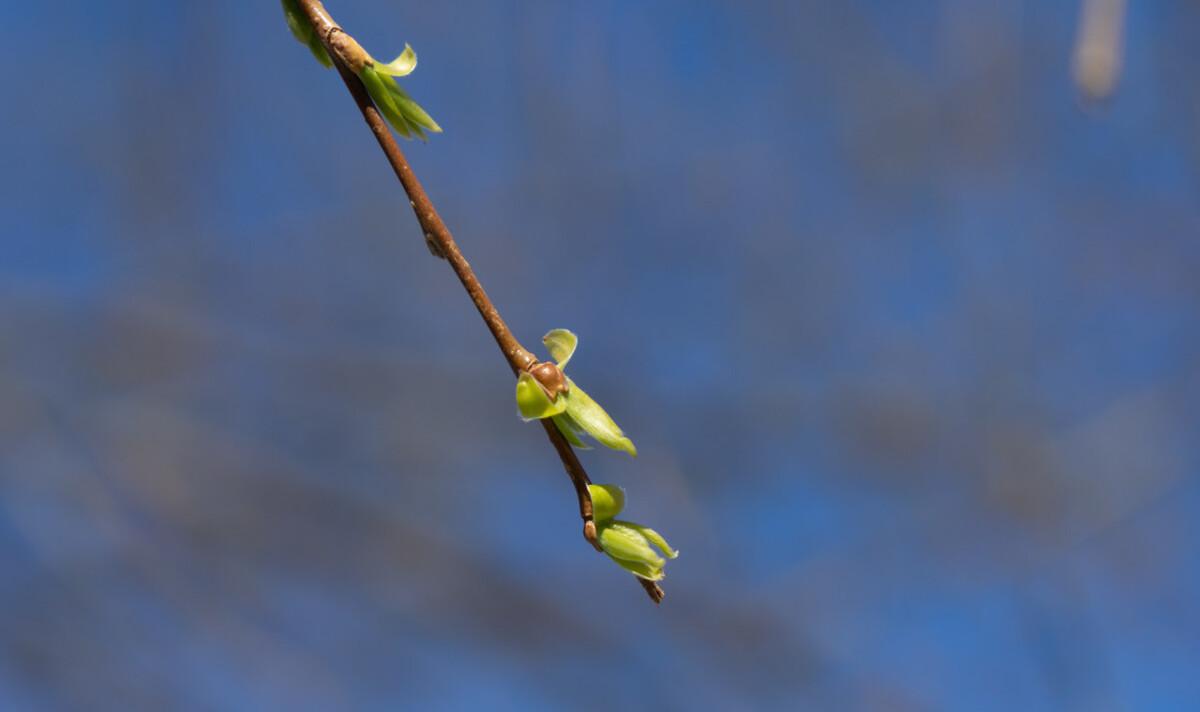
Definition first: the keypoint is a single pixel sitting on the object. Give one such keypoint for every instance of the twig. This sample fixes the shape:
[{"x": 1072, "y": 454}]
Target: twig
[
  {"x": 347, "y": 53},
  {"x": 1099, "y": 47}
]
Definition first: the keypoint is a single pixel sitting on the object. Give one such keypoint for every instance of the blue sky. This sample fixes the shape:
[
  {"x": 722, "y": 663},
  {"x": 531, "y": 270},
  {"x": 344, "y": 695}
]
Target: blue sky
[{"x": 904, "y": 330}]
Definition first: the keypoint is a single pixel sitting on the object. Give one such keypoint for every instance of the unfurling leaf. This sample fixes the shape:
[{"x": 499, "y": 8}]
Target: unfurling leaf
[
  {"x": 629, "y": 544},
  {"x": 561, "y": 345},
  {"x": 401, "y": 66},
  {"x": 580, "y": 413},
  {"x": 396, "y": 105},
  {"x": 570, "y": 431},
  {"x": 656, "y": 539},
  {"x": 592, "y": 419},
  {"x": 626, "y": 544},
  {"x": 533, "y": 402}
]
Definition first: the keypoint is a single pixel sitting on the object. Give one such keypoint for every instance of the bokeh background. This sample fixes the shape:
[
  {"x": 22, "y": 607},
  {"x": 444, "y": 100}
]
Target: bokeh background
[{"x": 905, "y": 330}]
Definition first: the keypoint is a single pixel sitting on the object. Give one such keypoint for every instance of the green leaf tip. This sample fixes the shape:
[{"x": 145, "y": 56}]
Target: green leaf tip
[
  {"x": 404, "y": 114},
  {"x": 304, "y": 33},
  {"x": 561, "y": 345},
  {"x": 580, "y": 414},
  {"x": 401, "y": 66},
  {"x": 571, "y": 431},
  {"x": 587, "y": 415}
]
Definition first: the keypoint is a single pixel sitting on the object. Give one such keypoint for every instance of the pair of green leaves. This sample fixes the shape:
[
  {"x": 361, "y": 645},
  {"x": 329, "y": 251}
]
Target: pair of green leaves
[
  {"x": 573, "y": 411},
  {"x": 630, "y": 545},
  {"x": 405, "y": 115}
]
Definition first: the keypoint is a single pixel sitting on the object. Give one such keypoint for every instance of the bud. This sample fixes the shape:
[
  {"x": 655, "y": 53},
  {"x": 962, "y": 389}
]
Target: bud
[
  {"x": 629, "y": 545},
  {"x": 551, "y": 377},
  {"x": 397, "y": 107},
  {"x": 533, "y": 402},
  {"x": 607, "y": 501},
  {"x": 578, "y": 414}
]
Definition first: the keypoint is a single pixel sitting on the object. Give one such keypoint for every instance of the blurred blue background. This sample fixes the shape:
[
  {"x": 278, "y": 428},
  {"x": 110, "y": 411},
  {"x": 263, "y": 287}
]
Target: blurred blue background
[{"x": 905, "y": 331}]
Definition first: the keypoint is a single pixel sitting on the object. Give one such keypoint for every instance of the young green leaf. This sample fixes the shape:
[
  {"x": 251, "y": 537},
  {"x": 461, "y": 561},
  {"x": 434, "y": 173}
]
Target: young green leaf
[
  {"x": 629, "y": 548},
  {"x": 561, "y": 345},
  {"x": 396, "y": 105},
  {"x": 377, "y": 87},
  {"x": 303, "y": 31},
  {"x": 318, "y": 50},
  {"x": 412, "y": 111},
  {"x": 655, "y": 538},
  {"x": 297, "y": 23},
  {"x": 642, "y": 569},
  {"x": 570, "y": 430},
  {"x": 532, "y": 401},
  {"x": 588, "y": 414},
  {"x": 401, "y": 66}
]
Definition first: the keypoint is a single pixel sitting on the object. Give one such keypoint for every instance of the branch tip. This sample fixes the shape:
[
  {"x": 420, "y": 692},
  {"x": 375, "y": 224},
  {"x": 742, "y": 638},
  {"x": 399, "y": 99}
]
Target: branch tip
[{"x": 653, "y": 590}]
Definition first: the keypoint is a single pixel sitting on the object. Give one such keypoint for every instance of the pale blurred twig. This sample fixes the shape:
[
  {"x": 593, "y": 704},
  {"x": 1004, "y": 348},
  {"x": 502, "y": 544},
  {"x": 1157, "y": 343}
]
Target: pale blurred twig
[{"x": 1099, "y": 47}]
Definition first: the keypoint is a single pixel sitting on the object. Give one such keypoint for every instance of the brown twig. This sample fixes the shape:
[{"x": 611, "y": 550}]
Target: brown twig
[
  {"x": 653, "y": 590},
  {"x": 347, "y": 53}
]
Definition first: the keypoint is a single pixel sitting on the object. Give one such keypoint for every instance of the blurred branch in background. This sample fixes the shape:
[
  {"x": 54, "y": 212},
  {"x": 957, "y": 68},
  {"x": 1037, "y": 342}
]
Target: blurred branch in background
[{"x": 1099, "y": 47}]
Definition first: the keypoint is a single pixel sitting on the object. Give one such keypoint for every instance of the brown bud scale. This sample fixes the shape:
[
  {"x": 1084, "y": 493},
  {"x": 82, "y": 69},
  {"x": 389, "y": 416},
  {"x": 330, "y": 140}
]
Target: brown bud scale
[{"x": 550, "y": 377}]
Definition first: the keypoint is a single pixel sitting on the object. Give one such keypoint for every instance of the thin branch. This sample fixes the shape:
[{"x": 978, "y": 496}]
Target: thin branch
[
  {"x": 346, "y": 54},
  {"x": 579, "y": 478},
  {"x": 653, "y": 590},
  {"x": 436, "y": 232}
]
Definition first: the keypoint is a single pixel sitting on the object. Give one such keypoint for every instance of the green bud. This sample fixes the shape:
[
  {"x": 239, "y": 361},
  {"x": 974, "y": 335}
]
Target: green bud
[
  {"x": 607, "y": 501},
  {"x": 582, "y": 414},
  {"x": 405, "y": 115},
  {"x": 550, "y": 376},
  {"x": 629, "y": 545},
  {"x": 533, "y": 402}
]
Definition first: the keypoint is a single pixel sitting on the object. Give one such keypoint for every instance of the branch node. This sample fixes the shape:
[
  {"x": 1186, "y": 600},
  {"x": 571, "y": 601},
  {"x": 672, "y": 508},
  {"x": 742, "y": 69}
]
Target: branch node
[
  {"x": 434, "y": 248},
  {"x": 348, "y": 49},
  {"x": 589, "y": 533}
]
